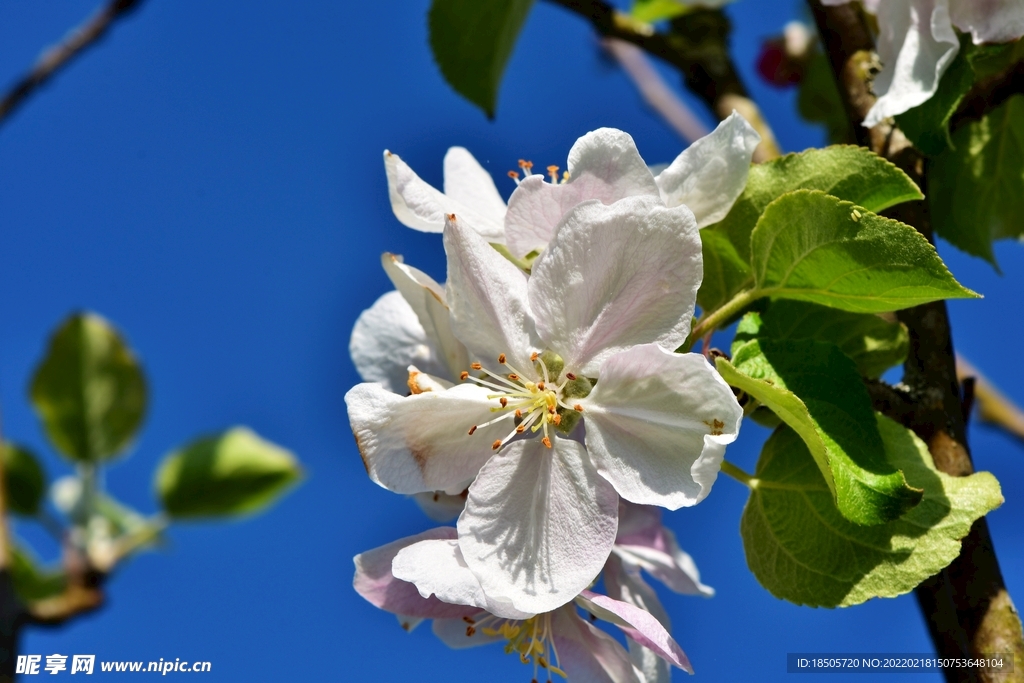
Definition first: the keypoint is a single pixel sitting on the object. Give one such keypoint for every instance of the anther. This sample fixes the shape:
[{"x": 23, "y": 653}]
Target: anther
[
  {"x": 543, "y": 662},
  {"x": 551, "y": 409},
  {"x": 546, "y": 441},
  {"x": 519, "y": 413},
  {"x": 514, "y": 175},
  {"x": 476, "y": 366},
  {"x": 534, "y": 356},
  {"x": 469, "y": 620},
  {"x": 470, "y": 631},
  {"x": 578, "y": 408},
  {"x": 472, "y": 429},
  {"x": 496, "y": 445},
  {"x": 553, "y": 172},
  {"x": 464, "y": 375},
  {"x": 513, "y": 376},
  {"x": 556, "y": 420},
  {"x": 503, "y": 401},
  {"x": 540, "y": 385},
  {"x": 520, "y": 429},
  {"x": 501, "y": 358},
  {"x": 570, "y": 376},
  {"x": 451, "y": 217}
]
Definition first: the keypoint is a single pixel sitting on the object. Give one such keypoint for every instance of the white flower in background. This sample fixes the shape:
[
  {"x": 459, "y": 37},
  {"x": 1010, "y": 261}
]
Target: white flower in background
[
  {"x": 707, "y": 177},
  {"x": 559, "y": 641},
  {"x": 917, "y": 43},
  {"x": 588, "y": 335},
  {"x": 469, "y": 193}
]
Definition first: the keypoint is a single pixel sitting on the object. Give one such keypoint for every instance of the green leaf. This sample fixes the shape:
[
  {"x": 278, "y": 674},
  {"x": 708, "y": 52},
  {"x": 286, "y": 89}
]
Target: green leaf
[
  {"x": 651, "y": 11},
  {"x": 24, "y": 480},
  {"x": 927, "y": 125},
  {"x": 89, "y": 390},
  {"x": 818, "y": 99},
  {"x": 472, "y": 42},
  {"x": 31, "y": 582},
  {"x": 977, "y": 189},
  {"x": 801, "y": 549},
  {"x": 815, "y": 389},
  {"x": 231, "y": 474},
  {"x": 874, "y": 344},
  {"x": 813, "y": 247},
  {"x": 844, "y": 171}
]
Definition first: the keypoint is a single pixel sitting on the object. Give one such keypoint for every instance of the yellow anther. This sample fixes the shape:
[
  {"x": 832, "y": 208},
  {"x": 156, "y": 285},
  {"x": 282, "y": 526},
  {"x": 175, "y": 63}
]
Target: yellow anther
[
  {"x": 514, "y": 175},
  {"x": 546, "y": 441}
]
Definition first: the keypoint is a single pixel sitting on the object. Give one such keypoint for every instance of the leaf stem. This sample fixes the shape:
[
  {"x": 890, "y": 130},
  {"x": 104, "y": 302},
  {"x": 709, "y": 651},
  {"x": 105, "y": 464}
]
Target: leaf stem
[
  {"x": 710, "y": 322},
  {"x": 739, "y": 475}
]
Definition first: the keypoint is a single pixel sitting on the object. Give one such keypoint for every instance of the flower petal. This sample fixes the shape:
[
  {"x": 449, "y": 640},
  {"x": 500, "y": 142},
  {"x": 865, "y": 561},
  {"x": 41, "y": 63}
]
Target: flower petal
[
  {"x": 421, "y": 207},
  {"x": 376, "y": 583},
  {"x": 436, "y": 567},
  {"x": 386, "y": 339},
  {"x": 587, "y": 653},
  {"x": 538, "y": 525},
  {"x": 427, "y": 299},
  {"x": 455, "y": 633},
  {"x": 603, "y": 165},
  {"x": 638, "y": 624},
  {"x": 487, "y": 295},
  {"x": 625, "y": 584},
  {"x": 420, "y": 443},
  {"x": 916, "y": 44},
  {"x": 711, "y": 173},
  {"x": 643, "y": 542},
  {"x": 440, "y": 506},
  {"x": 466, "y": 181},
  {"x": 989, "y": 21},
  {"x": 639, "y": 286},
  {"x": 658, "y": 423}
]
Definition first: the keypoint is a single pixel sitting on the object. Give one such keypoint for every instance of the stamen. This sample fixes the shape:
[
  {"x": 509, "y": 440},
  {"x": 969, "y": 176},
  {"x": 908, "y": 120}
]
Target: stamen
[
  {"x": 472, "y": 429},
  {"x": 546, "y": 441},
  {"x": 501, "y": 358},
  {"x": 476, "y": 366},
  {"x": 553, "y": 172},
  {"x": 470, "y": 631},
  {"x": 469, "y": 620},
  {"x": 504, "y": 402},
  {"x": 463, "y": 375},
  {"x": 570, "y": 376},
  {"x": 556, "y": 420},
  {"x": 513, "y": 376},
  {"x": 527, "y": 166},
  {"x": 578, "y": 408},
  {"x": 496, "y": 445},
  {"x": 534, "y": 356},
  {"x": 540, "y": 385}
]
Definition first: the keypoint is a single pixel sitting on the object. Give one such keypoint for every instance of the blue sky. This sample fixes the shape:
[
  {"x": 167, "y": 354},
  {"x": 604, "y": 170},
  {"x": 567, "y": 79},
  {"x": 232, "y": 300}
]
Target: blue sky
[{"x": 210, "y": 179}]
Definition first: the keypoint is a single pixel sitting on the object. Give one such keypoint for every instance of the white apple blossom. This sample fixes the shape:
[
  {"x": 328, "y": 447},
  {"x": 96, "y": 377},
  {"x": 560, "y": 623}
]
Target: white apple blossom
[
  {"x": 587, "y": 335},
  {"x": 559, "y": 641},
  {"x": 917, "y": 43}
]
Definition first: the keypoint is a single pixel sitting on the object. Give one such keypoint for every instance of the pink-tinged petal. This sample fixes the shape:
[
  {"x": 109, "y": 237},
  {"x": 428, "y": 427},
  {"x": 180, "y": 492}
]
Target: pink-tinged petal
[
  {"x": 989, "y": 21},
  {"x": 487, "y": 296},
  {"x": 386, "y": 339},
  {"x": 587, "y": 653},
  {"x": 625, "y": 583},
  {"x": 645, "y": 543},
  {"x": 658, "y": 423},
  {"x": 376, "y": 583},
  {"x": 440, "y": 506},
  {"x": 639, "y": 524},
  {"x": 437, "y": 568},
  {"x": 604, "y": 165},
  {"x": 466, "y": 181},
  {"x": 638, "y": 624},
  {"x": 916, "y": 44},
  {"x": 614, "y": 277},
  {"x": 408, "y": 623},
  {"x": 458, "y": 634},
  {"x": 712, "y": 172},
  {"x": 417, "y": 443},
  {"x": 420, "y": 206},
  {"x": 538, "y": 525},
  {"x": 427, "y": 299}
]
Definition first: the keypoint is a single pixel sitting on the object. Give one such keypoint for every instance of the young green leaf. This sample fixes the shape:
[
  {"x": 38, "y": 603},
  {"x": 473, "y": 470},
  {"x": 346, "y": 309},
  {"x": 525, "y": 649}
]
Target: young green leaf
[
  {"x": 874, "y": 344},
  {"x": 801, "y": 549},
  {"x": 651, "y": 11},
  {"x": 472, "y": 42},
  {"x": 24, "y": 480},
  {"x": 816, "y": 390},
  {"x": 231, "y": 474},
  {"x": 32, "y": 582},
  {"x": 725, "y": 271},
  {"x": 977, "y": 193},
  {"x": 89, "y": 390},
  {"x": 814, "y": 247}
]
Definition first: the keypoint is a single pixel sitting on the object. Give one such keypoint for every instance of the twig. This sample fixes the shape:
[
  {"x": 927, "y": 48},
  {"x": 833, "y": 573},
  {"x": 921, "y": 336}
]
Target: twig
[
  {"x": 655, "y": 91},
  {"x": 58, "y": 56},
  {"x": 968, "y": 602},
  {"x": 696, "y": 48},
  {"x": 994, "y": 407}
]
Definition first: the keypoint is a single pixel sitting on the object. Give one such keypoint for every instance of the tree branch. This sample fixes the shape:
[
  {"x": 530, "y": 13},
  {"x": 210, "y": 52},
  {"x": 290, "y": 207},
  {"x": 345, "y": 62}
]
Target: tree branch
[
  {"x": 55, "y": 58},
  {"x": 967, "y": 607},
  {"x": 696, "y": 47},
  {"x": 12, "y": 613}
]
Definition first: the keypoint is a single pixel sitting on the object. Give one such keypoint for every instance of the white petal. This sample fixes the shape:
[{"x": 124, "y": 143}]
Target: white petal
[
  {"x": 712, "y": 172},
  {"x": 643, "y": 542},
  {"x": 587, "y": 653},
  {"x": 538, "y": 525},
  {"x": 420, "y": 443},
  {"x": 487, "y": 295},
  {"x": 437, "y": 568},
  {"x": 427, "y": 299},
  {"x": 466, "y": 181},
  {"x": 375, "y": 581},
  {"x": 421, "y": 207},
  {"x": 419, "y": 381},
  {"x": 627, "y": 585},
  {"x": 658, "y": 423},
  {"x": 616, "y": 276},
  {"x": 386, "y": 339},
  {"x": 916, "y": 44},
  {"x": 440, "y": 506},
  {"x": 603, "y": 165},
  {"x": 454, "y": 633},
  {"x": 638, "y": 624},
  {"x": 989, "y": 21}
]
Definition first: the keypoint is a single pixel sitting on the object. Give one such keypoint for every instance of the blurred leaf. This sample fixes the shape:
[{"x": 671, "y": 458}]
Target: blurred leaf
[
  {"x": 24, "y": 480},
  {"x": 994, "y": 407},
  {"x": 977, "y": 189},
  {"x": 89, "y": 390},
  {"x": 31, "y": 582},
  {"x": 801, "y": 549},
  {"x": 651, "y": 11},
  {"x": 816, "y": 390},
  {"x": 818, "y": 99},
  {"x": 813, "y": 247},
  {"x": 232, "y": 474},
  {"x": 472, "y": 42},
  {"x": 927, "y": 125}
]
